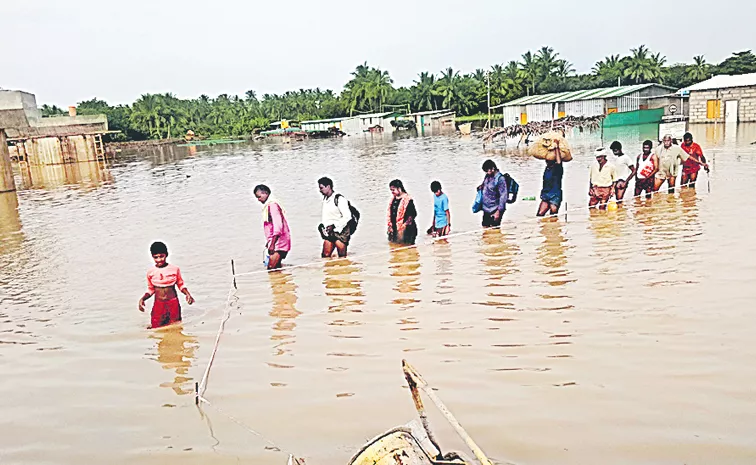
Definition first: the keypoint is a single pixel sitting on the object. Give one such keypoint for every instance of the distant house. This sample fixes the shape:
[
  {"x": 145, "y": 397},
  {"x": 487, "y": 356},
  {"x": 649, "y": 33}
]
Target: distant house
[
  {"x": 737, "y": 92},
  {"x": 433, "y": 120},
  {"x": 372, "y": 122},
  {"x": 317, "y": 125},
  {"x": 586, "y": 103},
  {"x": 49, "y": 140}
]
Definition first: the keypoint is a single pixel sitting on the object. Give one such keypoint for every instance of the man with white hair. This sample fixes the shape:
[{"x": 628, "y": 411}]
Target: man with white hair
[
  {"x": 603, "y": 177},
  {"x": 670, "y": 158}
]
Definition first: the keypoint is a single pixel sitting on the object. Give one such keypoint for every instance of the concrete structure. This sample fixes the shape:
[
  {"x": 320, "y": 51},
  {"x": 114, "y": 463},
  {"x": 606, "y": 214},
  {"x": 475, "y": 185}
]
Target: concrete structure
[
  {"x": 433, "y": 121},
  {"x": 723, "y": 99},
  {"x": 7, "y": 184},
  {"x": 47, "y": 141},
  {"x": 586, "y": 103}
]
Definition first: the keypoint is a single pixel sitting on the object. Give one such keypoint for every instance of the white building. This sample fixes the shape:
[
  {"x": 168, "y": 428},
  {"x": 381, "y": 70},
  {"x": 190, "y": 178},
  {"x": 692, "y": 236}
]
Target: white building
[{"x": 737, "y": 92}]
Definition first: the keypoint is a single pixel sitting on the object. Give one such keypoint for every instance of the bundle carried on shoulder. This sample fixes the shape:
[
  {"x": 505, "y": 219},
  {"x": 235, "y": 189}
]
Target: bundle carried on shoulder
[{"x": 544, "y": 145}]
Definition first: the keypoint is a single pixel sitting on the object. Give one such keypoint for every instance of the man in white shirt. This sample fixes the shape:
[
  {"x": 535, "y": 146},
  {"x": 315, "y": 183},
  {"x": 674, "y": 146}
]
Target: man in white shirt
[
  {"x": 334, "y": 228},
  {"x": 670, "y": 158},
  {"x": 625, "y": 168}
]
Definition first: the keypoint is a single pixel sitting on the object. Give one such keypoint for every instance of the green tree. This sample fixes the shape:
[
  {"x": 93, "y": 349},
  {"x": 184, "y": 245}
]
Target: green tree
[
  {"x": 530, "y": 69},
  {"x": 423, "y": 97},
  {"x": 738, "y": 63},
  {"x": 640, "y": 67},
  {"x": 699, "y": 70}
]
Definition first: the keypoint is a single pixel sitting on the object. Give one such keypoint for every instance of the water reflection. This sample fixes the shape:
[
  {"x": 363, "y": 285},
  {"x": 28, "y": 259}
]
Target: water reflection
[
  {"x": 343, "y": 285},
  {"x": 175, "y": 352},
  {"x": 404, "y": 264},
  {"x": 10, "y": 223},
  {"x": 444, "y": 271},
  {"x": 611, "y": 241},
  {"x": 89, "y": 174},
  {"x": 499, "y": 250},
  {"x": 284, "y": 290},
  {"x": 552, "y": 252}
]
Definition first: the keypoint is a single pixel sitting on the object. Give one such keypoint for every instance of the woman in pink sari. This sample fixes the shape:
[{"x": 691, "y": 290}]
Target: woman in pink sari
[{"x": 275, "y": 226}]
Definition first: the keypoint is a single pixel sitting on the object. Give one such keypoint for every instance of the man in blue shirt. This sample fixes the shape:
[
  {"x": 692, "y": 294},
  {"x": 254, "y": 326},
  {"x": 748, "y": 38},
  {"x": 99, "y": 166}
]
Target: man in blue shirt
[
  {"x": 441, "y": 216},
  {"x": 495, "y": 195}
]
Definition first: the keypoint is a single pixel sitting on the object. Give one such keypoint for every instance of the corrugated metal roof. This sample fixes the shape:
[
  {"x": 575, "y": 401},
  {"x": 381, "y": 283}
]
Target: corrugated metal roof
[
  {"x": 429, "y": 112},
  {"x": 329, "y": 120},
  {"x": 587, "y": 94},
  {"x": 723, "y": 81}
]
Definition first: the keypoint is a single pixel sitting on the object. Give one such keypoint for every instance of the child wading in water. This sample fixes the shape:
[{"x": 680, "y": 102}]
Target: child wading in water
[
  {"x": 441, "y": 216},
  {"x": 162, "y": 280}
]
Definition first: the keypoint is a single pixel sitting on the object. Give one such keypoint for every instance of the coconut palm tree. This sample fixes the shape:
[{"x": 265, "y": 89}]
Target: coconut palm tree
[
  {"x": 530, "y": 69},
  {"x": 610, "y": 69},
  {"x": 422, "y": 92},
  {"x": 640, "y": 67},
  {"x": 699, "y": 70}
]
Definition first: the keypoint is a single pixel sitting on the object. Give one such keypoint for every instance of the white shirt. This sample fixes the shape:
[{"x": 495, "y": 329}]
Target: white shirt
[
  {"x": 338, "y": 216},
  {"x": 622, "y": 165}
]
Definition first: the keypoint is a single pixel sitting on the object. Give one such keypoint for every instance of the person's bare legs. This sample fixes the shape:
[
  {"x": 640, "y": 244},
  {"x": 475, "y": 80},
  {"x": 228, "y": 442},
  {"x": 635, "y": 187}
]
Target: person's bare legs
[
  {"x": 341, "y": 248},
  {"x": 543, "y": 208},
  {"x": 671, "y": 184},
  {"x": 658, "y": 183},
  {"x": 693, "y": 179},
  {"x": 554, "y": 208},
  {"x": 274, "y": 261},
  {"x": 620, "y": 193},
  {"x": 327, "y": 249}
]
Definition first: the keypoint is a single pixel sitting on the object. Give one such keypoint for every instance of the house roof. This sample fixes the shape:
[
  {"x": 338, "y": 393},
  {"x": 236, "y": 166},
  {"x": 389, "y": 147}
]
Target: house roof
[
  {"x": 377, "y": 115},
  {"x": 723, "y": 81},
  {"x": 587, "y": 94},
  {"x": 329, "y": 120},
  {"x": 430, "y": 112}
]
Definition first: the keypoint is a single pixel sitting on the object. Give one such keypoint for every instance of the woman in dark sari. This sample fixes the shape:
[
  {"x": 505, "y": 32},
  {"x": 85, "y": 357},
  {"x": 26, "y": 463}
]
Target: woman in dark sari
[{"x": 402, "y": 227}]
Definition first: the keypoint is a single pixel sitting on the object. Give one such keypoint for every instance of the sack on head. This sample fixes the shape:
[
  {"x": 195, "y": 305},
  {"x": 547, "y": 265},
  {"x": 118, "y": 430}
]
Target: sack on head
[{"x": 544, "y": 145}]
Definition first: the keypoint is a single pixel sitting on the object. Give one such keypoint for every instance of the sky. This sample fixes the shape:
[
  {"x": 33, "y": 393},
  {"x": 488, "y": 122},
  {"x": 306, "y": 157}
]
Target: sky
[{"x": 66, "y": 52}]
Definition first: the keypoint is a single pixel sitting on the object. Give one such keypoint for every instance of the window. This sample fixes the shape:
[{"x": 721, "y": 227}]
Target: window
[{"x": 713, "y": 109}]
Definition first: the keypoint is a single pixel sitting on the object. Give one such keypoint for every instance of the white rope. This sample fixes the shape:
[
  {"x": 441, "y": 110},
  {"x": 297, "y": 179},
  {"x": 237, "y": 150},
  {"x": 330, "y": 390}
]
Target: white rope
[{"x": 226, "y": 315}]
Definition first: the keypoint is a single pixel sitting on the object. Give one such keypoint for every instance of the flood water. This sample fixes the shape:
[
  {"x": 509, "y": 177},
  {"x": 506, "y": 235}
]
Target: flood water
[{"x": 615, "y": 337}]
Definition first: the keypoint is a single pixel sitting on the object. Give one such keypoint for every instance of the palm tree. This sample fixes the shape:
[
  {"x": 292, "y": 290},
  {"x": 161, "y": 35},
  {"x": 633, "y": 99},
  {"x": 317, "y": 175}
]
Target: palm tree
[
  {"x": 547, "y": 61},
  {"x": 146, "y": 115},
  {"x": 610, "y": 69},
  {"x": 448, "y": 88},
  {"x": 699, "y": 70},
  {"x": 563, "y": 69},
  {"x": 422, "y": 95},
  {"x": 640, "y": 67},
  {"x": 530, "y": 69},
  {"x": 657, "y": 65}
]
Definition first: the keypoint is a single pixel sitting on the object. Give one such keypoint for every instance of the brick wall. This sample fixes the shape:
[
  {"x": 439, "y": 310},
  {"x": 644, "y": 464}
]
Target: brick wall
[{"x": 746, "y": 97}]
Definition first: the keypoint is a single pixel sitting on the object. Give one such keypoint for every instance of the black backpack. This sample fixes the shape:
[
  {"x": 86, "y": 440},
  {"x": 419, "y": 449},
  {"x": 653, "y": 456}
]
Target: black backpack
[
  {"x": 512, "y": 188},
  {"x": 354, "y": 221}
]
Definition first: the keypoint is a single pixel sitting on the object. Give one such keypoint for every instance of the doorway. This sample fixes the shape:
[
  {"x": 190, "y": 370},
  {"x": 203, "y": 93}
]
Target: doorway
[{"x": 731, "y": 111}]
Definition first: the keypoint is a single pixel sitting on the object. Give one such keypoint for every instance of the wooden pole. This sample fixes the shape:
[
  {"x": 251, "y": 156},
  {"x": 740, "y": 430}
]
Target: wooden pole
[
  {"x": 420, "y": 408},
  {"x": 7, "y": 182},
  {"x": 233, "y": 272},
  {"x": 411, "y": 373}
]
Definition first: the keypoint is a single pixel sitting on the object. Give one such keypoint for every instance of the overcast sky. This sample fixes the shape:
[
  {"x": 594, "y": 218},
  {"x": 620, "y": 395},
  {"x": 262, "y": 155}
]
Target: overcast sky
[{"x": 68, "y": 51}]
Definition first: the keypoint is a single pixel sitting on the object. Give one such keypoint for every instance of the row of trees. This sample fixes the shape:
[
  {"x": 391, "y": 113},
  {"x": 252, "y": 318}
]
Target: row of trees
[{"x": 371, "y": 89}]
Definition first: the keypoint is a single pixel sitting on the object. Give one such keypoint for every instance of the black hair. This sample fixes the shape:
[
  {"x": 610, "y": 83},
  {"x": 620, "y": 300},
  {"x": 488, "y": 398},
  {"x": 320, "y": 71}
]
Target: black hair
[
  {"x": 688, "y": 135},
  {"x": 649, "y": 143},
  {"x": 261, "y": 188},
  {"x": 616, "y": 145},
  {"x": 158, "y": 247},
  {"x": 398, "y": 184},
  {"x": 324, "y": 181},
  {"x": 489, "y": 165},
  {"x": 435, "y": 186}
]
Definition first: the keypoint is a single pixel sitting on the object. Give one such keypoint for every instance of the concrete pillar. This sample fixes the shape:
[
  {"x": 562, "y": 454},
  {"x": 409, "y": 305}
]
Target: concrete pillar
[{"x": 7, "y": 183}]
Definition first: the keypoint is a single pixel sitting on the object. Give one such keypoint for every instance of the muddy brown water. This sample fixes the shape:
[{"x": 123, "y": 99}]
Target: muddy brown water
[{"x": 615, "y": 337}]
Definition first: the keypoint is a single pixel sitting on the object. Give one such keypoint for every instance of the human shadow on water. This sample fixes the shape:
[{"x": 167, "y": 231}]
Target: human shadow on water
[
  {"x": 284, "y": 309},
  {"x": 176, "y": 352}
]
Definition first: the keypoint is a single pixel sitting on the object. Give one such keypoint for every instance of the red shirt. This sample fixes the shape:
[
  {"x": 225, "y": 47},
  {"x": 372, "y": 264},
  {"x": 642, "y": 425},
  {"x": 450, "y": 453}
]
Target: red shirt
[{"x": 694, "y": 150}]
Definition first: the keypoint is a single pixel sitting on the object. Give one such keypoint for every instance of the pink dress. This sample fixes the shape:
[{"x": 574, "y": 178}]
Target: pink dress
[{"x": 276, "y": 225}]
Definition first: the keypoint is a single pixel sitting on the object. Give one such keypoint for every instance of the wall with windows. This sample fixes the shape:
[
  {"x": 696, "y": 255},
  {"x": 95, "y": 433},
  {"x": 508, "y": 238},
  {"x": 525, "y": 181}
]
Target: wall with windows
[{"x": 709, "y": 106}]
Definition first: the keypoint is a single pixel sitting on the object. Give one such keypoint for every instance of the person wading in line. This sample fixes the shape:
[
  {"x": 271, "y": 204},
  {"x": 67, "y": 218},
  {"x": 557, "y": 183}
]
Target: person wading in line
[
  {"x": 334, "y": 228},
  {"x": 625, "y": 170},
  {"x": 693, "y": 164},
  {"x": 402, "y": 225},
  {"x": 551, "y": 191},
  {"x": 275, "y": 227},
  {"x": 495, "y": 195},
  {"x": 441, "y": 216},
  {"x": 162, "y": 281},
  {"x": 646, "y": 166},
  {"x": 670, "y": 157},
  {"x": 602, "y": 179}
]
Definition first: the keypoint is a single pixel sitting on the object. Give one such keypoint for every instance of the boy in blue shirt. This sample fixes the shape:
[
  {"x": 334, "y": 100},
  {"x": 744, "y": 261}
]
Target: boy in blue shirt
[{"x": 441, "y": 216}]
